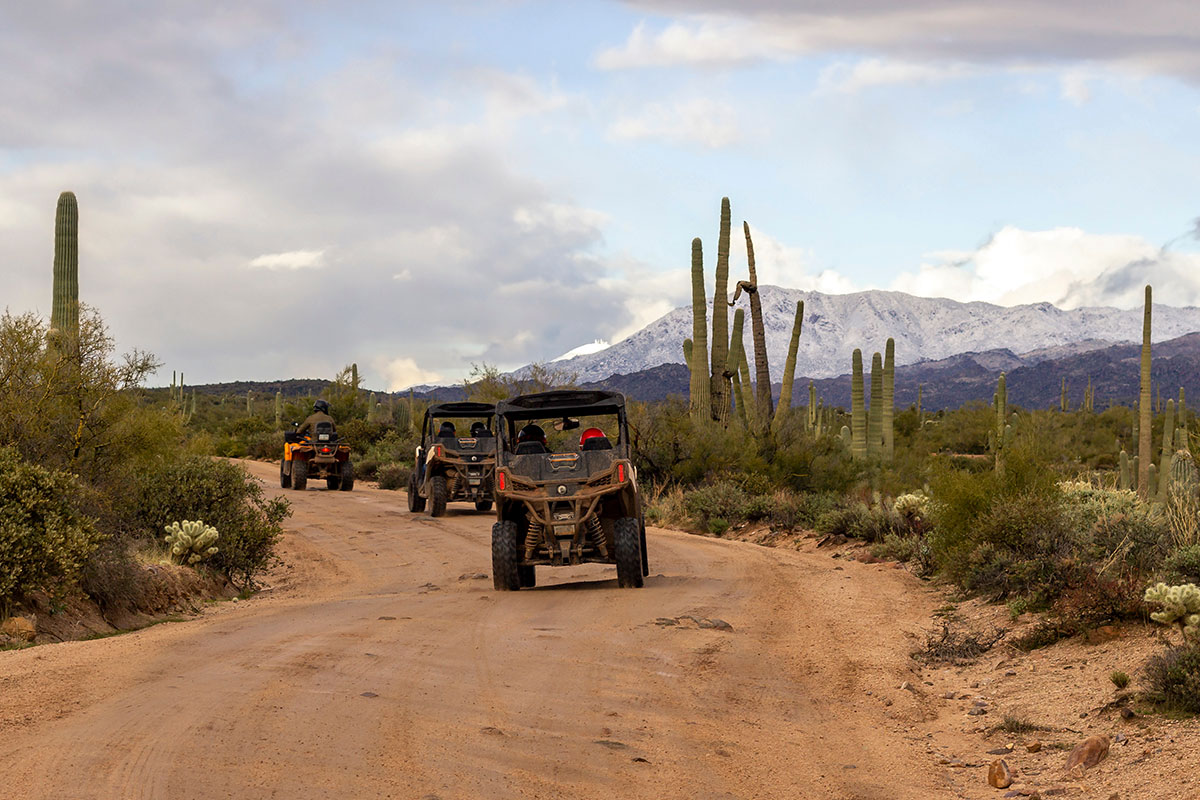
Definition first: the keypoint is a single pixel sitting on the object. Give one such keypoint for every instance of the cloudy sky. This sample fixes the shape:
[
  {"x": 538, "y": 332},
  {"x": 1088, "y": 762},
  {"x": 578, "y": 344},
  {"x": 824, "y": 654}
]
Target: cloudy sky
[{"x": 276, "y": 189}]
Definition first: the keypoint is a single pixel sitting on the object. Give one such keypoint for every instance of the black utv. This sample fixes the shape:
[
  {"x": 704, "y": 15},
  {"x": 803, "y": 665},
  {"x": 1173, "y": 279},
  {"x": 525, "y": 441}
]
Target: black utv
[
  {"x": 456, "y": 459},
  {"x": 566, "y": 489}
]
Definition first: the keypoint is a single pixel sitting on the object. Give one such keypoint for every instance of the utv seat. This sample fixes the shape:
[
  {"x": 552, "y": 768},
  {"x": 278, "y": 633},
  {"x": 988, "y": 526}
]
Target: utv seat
[
  {"x": 597, "y": 443},
  {"x": 531, "y": 449}
]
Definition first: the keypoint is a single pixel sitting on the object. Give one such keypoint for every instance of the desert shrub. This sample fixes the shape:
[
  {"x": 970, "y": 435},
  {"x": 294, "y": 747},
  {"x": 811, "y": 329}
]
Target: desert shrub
[
  {"x": 1182, "y": 565},
  {"x": 957, "y": 647},
  {"x": 1119, "y": 679},
  {"x": 113, "y": 578},
  {"x": 791, "y": 510},
  {"x": 1173, "y": 678},
  {"x": 722, "y": 499},
  {"x": 394, "y": 476},
  {"x": 45, "y": 540},
  {"x": 853, "y": 522},
  {"x": 666, "y": 506},
  {"x": 896, "y": 547},
  {"x": 1118, "y": 526},
  {"x": 717, "y": 526},
  {"x": 223, "y": 495}
]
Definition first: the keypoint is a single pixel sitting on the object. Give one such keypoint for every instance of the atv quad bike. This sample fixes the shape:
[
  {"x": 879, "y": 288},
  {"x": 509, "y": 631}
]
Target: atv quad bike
[
  {"x": 454, "y": 467},
  {"x": 321, "y": 455},
  {"x": 574, "y": 504}
]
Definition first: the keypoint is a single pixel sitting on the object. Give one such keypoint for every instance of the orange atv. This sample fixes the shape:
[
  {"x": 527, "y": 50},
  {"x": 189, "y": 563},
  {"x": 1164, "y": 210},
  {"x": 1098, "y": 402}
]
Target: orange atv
[{"x": 322, "y": 455}]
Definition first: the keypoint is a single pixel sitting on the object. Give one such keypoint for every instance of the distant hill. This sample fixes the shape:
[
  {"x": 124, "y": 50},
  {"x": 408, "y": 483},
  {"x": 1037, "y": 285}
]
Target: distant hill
[
  {"x": 1034, "y": 379},
  {"x": 925, "y": 329}
]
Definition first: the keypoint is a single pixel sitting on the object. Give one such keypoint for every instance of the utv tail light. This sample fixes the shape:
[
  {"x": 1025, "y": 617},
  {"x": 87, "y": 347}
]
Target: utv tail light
[
  {"x": 500, "y": 481},
  {"x": 439, "y": 451},
  {"x": 620, "y": 473}
]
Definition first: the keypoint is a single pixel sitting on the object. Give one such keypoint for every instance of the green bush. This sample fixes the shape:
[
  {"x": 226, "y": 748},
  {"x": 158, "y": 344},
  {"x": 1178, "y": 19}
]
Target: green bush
[
  {"x": 394, "y": 476},
  {"x": 723, "y": 499},
  {"x": 1173, "y": 678},
  {"x": 1183, "y": 565},
  {"x": 45, "y": 539},
  {"x": 222, "y": 494}
]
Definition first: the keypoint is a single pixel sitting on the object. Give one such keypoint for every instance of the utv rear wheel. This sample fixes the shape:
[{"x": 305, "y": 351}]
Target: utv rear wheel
[
  {"x": 299, "y": 475},
  {"x": 437, "y": 496},
  {"x": 416, "y": 503},
  {"x": 527, "y": 575},
  {"x": 483, "y": 505},
  {"x": 333, "y": 483},
  {"x": 347, "y": 483},
  {"x": 285, "y": 480},
  {"x": 627, "y": 541},
  {"x": 506, "y": 574}
]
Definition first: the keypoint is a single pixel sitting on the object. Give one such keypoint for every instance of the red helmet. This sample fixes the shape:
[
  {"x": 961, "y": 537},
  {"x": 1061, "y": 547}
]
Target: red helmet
[{"x": 590, "y": 433}]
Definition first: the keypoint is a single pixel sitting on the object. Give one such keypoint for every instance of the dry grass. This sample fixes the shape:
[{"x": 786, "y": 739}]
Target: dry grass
[{"x": 1183, "y": 518}]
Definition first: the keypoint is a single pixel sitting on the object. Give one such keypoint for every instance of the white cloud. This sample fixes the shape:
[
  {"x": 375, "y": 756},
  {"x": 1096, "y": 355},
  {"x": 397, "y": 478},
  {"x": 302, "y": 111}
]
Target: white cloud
[
  {"x": 561, "y": 218},
  {"x": 293, "y": 260},
  {"x": 1161, "y": 37},
  {"x": 1074, "y": 86},
  {"x": 401, "y": 373},
  {"x": 845, "y": 78},
  {"x": 1064, "y": 266},
  {"x": 699, "y": 120}
]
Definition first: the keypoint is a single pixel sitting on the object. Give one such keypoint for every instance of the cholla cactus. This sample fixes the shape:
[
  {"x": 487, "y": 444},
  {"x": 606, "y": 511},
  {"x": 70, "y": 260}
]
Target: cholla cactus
[
  {"x": 914, "y": 504},
  {"x": 1180, "y": 606},
  {"x": 190, "y": 541}
]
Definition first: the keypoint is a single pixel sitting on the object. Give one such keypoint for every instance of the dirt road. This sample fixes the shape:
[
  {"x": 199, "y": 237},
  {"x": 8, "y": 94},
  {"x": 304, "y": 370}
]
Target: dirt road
[{"x": 379, "y": 667}]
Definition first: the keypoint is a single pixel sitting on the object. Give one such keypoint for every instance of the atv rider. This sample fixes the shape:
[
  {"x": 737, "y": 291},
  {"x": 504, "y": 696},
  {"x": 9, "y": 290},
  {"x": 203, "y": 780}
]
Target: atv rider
[{"x": 320, "y": 414}]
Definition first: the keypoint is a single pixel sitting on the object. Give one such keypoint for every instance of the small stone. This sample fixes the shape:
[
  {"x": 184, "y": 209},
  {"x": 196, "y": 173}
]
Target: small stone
[
  {"x": 387, "y": 618},
  {"x": 1088, "y": 753},
  {"x": 1010, "y": 673},
  {"x": 472, "y": 576},
  {"x": 976, "y": 712},
  {"x": 21, "y": 628},
  {"x": 1033, "y": 747},
  {"x": 999, "y": 751},
  {"x": 1120, "y": 738},
  {"x": 611, "y": 745},
  {"x": 1083, "y": 715},
  {"x": 639, "y": 760},
  {"x": 491, "y": 731},
  {"x": 949, "y": 695},
  {"x": 1128, "y": 713},
  {"x": 666, "y": 621},
  {"x": 368, "y": 694},
  {"x": 999, "y": 775},
  {"x": 906, "y": 686}
]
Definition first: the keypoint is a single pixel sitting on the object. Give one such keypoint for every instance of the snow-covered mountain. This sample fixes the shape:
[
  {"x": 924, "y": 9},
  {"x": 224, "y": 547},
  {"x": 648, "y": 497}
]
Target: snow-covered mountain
[{"x": 923, "y": 327}]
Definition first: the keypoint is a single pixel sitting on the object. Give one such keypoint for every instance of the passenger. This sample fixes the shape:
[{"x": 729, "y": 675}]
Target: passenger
[
  {"x": 447, "y": 430},
  {"x": 480, "y": 431},
  {"x": 594, "y": 439},
  {"x": 531, "y": 439},
  {"x": 320, "y": 414}
]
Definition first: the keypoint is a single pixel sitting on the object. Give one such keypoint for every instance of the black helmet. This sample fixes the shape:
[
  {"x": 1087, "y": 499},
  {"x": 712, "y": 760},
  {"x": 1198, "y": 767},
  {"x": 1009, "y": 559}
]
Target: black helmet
[
  {"x": 478, "y": 428},
  {"x": 531, "y": 433},
  {"x": 321, "y": 406},
  {"x": 447, "y": 429}
]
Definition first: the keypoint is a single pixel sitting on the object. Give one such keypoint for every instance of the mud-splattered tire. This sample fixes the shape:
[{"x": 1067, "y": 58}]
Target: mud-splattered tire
[
  {"x": 645, "y": 560},
  {"x": 506, "y": 575},
  {"x": 416, "y": 503},
  {"x": 347, "y": 477},
  {"x": 437, "y": 496},
  {"x": 483, "y": 505},
  {"x": 299, "y": 475},
  {"x": 627, "y": 546},
  {"x": 527, "y": 575},
  {"x": 285, "y": 480}
]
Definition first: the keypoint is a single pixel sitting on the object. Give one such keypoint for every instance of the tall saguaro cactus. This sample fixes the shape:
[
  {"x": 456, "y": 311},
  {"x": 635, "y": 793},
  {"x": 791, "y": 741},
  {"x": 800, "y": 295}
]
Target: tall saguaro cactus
[
  {"x": 700, "y": 399},
  {"x": 719, "y": 387},
  {"x": 889, "y": 400},
  {"x": 789, "y": 368},
  {"x": 733, "y": 365},
  {"x": 762, "y": 368},
  {"x": 1144, "y": 398},
  {"x": 1168, "y": 450},
  {"x": 64, "y": 314},
  {"x": 858, "y": 411},
  {"x": 875, "y": 418}
]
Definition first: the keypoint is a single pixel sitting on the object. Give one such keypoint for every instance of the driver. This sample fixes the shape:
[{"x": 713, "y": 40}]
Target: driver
[
  {"x": 447, "y": 430},
  {"x": 320, "y": 414}
]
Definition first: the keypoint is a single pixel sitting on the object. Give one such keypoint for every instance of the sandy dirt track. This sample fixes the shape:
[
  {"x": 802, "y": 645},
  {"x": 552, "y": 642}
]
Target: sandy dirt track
[{"x": 378, "y": 667}]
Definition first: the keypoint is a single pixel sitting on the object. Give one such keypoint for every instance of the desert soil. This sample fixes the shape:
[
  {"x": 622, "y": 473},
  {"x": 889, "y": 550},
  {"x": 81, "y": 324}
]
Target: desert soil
[{"x": 380, "y": 663}]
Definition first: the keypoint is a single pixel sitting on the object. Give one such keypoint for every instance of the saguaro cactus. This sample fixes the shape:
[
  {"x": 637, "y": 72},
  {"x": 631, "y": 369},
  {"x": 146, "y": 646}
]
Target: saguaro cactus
[
  {"x": 1168, "y": 450},
  {"x": 64, "y": 314},
  {"x": 1063, "y": 405},
  {"x": 789, "y": 367},
  {"x": 719, "y": 387},
  {"x": 889, "y": 400},
  {"x": 858, "y": 411},
  {"x": 762, "y": 368},
  {"x": 741, "y": 384},
  {"x": 920, "y": 415},
  {"x": 1126, "y": 481},
  {"x": 875, "y": 418},
  {"x": 700, "y": 398},
  {"x": 278, "y": 408},
  {"x": 1145, "y": 487}
]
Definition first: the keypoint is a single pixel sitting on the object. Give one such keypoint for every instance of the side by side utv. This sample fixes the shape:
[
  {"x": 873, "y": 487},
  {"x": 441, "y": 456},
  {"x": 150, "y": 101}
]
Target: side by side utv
[
  {"x": 321, "y": 455},
  {"x": 456, "y": 460},
  {"x": 570, "y": 498}
]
